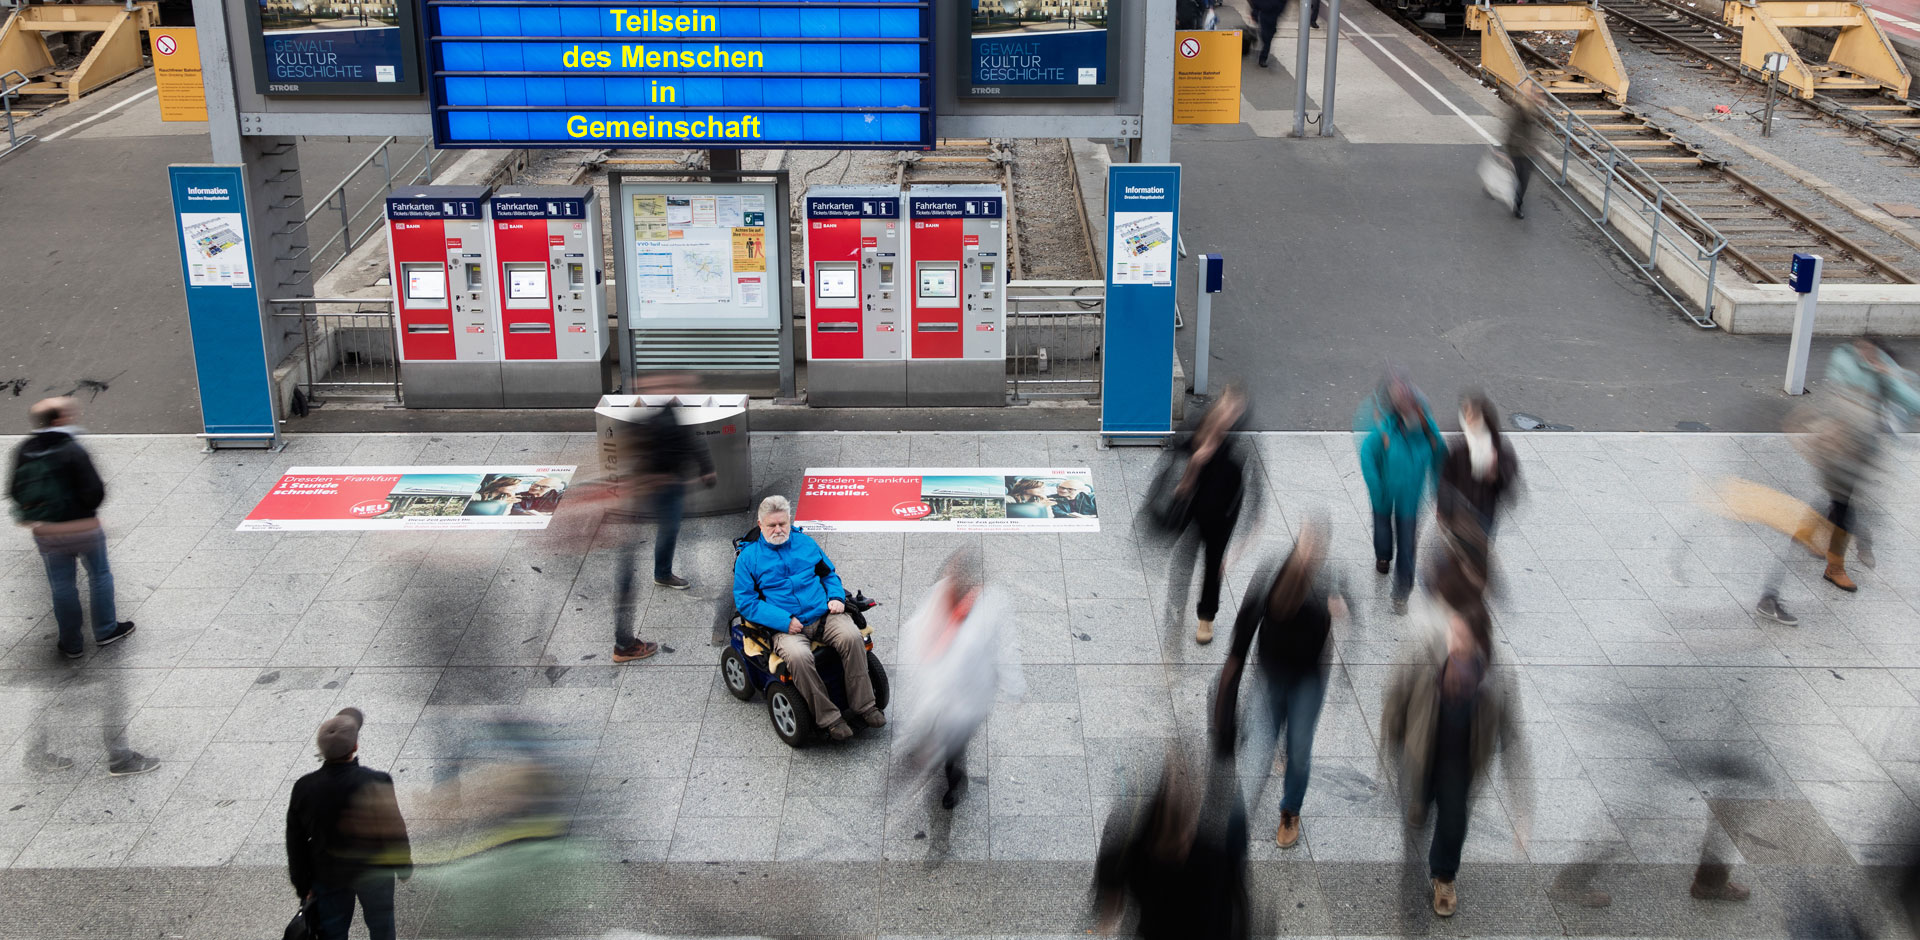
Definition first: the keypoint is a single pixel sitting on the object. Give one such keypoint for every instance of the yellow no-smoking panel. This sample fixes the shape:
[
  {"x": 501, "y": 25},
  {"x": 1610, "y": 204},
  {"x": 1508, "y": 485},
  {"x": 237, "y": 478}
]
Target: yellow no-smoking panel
[
  {"x": 1206, "y": 76},
  {"x": 176, "y": 69}
]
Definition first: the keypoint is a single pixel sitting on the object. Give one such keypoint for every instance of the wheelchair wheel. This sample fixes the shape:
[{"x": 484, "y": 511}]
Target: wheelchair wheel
[
  {"x": 734, "y": 672},
  {"x": 792, "y": 719},
  {"x": 878, "y": 674}
]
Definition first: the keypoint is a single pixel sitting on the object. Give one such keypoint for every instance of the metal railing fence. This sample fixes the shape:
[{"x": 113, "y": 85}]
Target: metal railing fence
[
  {"x": 350, "y": 354},
  {"x": 1055, "y": 330},
  {"x": 8, "y": 92},
  {"x": 1625, "y": 186},
  {"x": 414, "y": 168}
]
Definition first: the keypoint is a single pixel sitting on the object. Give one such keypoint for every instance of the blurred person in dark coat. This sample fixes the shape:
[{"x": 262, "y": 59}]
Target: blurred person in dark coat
[
  {"x": 346, "y": 840},
  {"x": 1479, "y": 477},
  {"x": 667, "y": 455},
  {"x": 1209, "y": 495},
  {"x": 1523, "y": 135},
  {"x": 1291, "y": 619},
  {"x": 1444, "y": 720},
  {"x": 1181, "y": 863}
]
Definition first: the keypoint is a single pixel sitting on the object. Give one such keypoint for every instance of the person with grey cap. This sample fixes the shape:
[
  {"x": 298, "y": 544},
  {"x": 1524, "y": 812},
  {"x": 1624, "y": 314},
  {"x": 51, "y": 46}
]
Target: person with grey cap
[{"x": 346, "y": 839}]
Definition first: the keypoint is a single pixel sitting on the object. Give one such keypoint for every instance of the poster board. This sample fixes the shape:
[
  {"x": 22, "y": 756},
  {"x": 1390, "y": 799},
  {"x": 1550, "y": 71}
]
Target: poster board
[
  {"x": 1028, "y": 49},
  {"x": 334, "y": 499},
  {"x": 334, "y": 48},
  {"x": 700, "y": 255},
  {"x": 176, "y": 72},
  {"x": 948, "y": 499}
]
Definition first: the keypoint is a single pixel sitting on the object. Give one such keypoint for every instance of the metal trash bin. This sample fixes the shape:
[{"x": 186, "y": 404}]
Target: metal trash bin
[{"x": 719, "y": 420}]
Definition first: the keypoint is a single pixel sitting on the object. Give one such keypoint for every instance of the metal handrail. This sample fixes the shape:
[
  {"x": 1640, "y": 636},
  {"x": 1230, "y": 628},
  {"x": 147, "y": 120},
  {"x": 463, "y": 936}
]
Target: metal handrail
[
  {"x": 307, "y": 310},
  {"x": 336, "y": 198},
  {"x": 1023, "y": 298},
  {"x": 1670, "y": 218},
  {"x": 7, "y": 94}
]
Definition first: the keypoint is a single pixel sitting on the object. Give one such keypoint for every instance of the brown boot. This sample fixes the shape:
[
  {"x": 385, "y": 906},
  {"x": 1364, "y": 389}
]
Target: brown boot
[
  {"x": 1289, "y": 834},
  {"x": 1203, "y": 632},
  {"x": 1445, "y": 901},
  {"x": 1837, "y": 563}
]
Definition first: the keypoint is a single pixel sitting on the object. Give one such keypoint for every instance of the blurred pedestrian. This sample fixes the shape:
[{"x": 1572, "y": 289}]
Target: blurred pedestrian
[
  {"x": 1207, "y": 500},
  {"x": 665, "y": 454},
  {"x": 1182, "y": 863},
  {"x": 1523, "y": 136},
  {"x": 1291, "y": 618},
  {"x": 1266, "y": 13},
  {"x": 1443, "y": 720},
  {"x": 1479, "y": 476},
  {"x": 346, "y": 840},
  {"x": 1841, "y": 435},
  {"x": 83, "y": 697},
  {"x": 57, "y": 493},
  {"x": 964, "y": 642},
  {"x": 1400, "y": 457}
]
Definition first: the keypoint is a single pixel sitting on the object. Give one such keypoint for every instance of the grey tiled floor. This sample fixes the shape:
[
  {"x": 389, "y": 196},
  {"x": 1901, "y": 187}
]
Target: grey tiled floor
[{"x": 1659, "y": 711}]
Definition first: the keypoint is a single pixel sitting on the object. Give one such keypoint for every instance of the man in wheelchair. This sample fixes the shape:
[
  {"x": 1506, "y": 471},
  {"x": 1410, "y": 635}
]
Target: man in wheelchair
[{"x": 784, "y": 582}]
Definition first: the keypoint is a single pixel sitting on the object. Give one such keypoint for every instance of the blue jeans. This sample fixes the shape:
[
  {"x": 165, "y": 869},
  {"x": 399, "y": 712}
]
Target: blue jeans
[
  {"x": 1393, "y": 540},
  {"x": 62, "y": 555},
  {"x": 1295, "y": 701},
  {"x": 333, "y": 908},
  {"x": 669, "y": 504}
]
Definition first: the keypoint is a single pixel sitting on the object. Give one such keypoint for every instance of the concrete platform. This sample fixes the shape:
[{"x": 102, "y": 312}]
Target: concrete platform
[{"x": 1623, "y": 615}]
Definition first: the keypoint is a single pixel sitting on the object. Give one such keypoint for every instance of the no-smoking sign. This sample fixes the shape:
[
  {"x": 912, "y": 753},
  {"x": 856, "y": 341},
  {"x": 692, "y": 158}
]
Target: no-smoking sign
[
  {"x": 165, "y": 45},
  {"x": 1189, "y": 47}
]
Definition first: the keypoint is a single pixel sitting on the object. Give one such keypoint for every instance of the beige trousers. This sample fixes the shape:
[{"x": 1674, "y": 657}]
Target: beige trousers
[{"x": 844, "y": 637}]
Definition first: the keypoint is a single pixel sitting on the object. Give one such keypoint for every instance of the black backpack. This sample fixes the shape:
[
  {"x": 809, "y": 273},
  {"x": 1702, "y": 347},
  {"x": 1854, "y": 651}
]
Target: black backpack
[
  {"x": 1188, "y": 14},
  {"x": 39, "y": 494}
]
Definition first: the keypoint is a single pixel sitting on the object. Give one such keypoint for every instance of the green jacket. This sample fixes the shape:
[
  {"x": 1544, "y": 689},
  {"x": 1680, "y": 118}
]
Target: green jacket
[{"x": 1401, "y": 463}]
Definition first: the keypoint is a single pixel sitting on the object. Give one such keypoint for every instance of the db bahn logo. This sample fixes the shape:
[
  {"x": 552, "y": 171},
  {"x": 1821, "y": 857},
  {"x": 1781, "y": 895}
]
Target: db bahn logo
[
  {"x": 912, "y": 509},
  {"x": 371, "y": 507}
]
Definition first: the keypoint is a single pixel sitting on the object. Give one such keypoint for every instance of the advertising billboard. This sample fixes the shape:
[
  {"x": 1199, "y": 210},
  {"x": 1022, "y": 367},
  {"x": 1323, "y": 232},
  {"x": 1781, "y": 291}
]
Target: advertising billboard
[
  {"x": 1037, "y": 48},
  {"x": 334, "y": 47}
]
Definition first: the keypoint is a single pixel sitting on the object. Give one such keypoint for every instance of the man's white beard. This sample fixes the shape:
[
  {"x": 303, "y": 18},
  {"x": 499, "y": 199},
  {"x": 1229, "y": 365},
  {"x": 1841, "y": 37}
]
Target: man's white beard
[{"x": 780, "y": 539}]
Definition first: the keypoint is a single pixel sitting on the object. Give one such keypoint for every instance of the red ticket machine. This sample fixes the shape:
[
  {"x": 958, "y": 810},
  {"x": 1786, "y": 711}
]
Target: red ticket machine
[
  {"x": 856, "y": 337},
  {"x": 958, "y": 295},
  {"x": 552, "y": 307},
  {"x": 443, "y": 297}
]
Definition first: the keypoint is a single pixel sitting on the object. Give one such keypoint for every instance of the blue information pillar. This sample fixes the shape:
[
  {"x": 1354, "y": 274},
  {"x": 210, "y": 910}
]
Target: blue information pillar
[
  {"x": 1143, "y": 231},
  {"x": 223, "y": 305}
]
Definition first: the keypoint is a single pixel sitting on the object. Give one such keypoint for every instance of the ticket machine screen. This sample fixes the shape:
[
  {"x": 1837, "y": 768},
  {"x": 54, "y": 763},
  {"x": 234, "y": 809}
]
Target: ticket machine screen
[
  {"x": 838, "y": 285},
  {"x": 426, "y": 283},
  {"x": 939, "y": 283},
  {"x": 527, "y": 285}
]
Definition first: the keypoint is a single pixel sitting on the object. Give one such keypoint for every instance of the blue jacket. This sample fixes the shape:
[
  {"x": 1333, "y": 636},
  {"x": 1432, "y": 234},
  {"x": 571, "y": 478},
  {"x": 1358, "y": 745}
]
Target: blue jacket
[
  {"x": 1400, "y": 462},
  {"x": 773, "y": 583}
]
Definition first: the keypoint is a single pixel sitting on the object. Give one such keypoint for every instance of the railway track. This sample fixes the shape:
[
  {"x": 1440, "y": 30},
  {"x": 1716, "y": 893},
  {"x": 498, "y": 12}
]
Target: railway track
[
  {"x": 1896, "y": 124},
  {"x": 1763, "y": 231},
  {"x": 997, "y": 161}
]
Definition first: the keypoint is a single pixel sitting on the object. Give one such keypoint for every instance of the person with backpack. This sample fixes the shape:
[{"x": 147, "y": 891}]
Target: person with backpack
[
  {"x": 57, "y": 493},
  {"x": 1401, "y": 457}
]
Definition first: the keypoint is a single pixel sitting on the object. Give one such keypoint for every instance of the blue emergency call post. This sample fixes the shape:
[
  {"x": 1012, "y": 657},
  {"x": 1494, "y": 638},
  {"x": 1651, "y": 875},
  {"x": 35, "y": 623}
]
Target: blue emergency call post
[
  {"x": 1143, "y": 227},
  {"x": 1213, "y": 280},
  {"x": 1805, "y": 281},
  {"x": 223, "y": 306},
  {"x": 720, "y": 74}
]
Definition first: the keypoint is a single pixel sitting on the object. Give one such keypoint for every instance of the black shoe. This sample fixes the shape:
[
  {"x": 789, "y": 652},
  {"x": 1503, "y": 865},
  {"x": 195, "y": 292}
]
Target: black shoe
[
  {"x": 131, "y": 764},
  {"x": 1771, "y": 608},
  {"x": 673, "y": 581},
  {"x": 1264, "y": 59},
  {"x": 1314, "y": 25},
  {"x": 1519, "y": 213},
  {"x": 120, "y": 632},
  {"x": 72, "y": 654},
  {"x": 952, "y": 797}
]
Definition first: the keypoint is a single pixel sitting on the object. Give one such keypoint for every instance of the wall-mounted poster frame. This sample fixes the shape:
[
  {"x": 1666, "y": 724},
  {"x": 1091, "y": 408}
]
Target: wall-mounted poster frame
[
  {"x": 374, "y": 50},
  {"x": 1047, "y": 58}
]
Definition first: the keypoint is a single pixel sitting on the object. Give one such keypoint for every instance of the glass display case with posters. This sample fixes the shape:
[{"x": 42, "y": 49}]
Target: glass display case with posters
[{"x": 1037, "y": 48}]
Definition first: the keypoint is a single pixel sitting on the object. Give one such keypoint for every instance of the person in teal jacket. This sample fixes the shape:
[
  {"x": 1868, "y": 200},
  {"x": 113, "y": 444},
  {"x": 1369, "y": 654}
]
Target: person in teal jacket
[
  {"x": 1400, "y": 456},
  {"x": 784, "y": 582}
]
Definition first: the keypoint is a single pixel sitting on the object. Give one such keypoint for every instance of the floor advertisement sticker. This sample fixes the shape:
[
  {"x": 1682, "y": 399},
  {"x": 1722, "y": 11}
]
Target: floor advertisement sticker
[
  {"x": 970, "y": 499},
  {"x": 336, "y": 498}
]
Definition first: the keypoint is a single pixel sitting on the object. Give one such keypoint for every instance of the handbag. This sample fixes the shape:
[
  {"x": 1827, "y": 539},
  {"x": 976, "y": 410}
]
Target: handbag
[
  {"x": 1496, "y": 176},
  {"x": 301, "y": 926},
  {"x": 1169, "y": 509}
]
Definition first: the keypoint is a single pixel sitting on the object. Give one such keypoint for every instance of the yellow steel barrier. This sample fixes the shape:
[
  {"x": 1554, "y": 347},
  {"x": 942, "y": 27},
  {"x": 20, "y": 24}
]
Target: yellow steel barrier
[
  {"x": 1594, "y": 67},
  {"x": 23, "y": 44},
  {"x": 1862, "y": 58}
]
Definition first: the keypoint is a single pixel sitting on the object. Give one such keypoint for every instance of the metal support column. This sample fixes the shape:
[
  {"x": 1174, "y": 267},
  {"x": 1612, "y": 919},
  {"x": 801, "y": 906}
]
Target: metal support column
[
  {"x": 1301, "y": 51},
  {"x": 1332, "y": 68},
  {"x": 1156, "y": 118}
]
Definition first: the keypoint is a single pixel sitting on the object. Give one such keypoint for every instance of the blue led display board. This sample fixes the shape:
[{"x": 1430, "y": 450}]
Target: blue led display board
[{"x": 708, "y": 74}]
